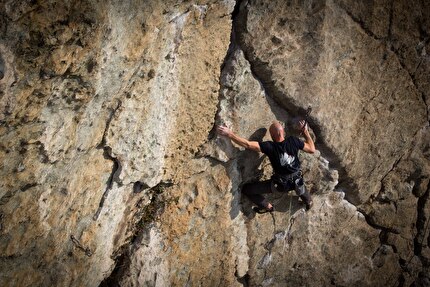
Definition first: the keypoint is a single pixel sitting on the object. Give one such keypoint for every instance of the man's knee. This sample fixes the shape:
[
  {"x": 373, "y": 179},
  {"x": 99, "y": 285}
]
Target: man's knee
[
  {"x": 299, "y": 186},
  {"x": 260, "y": 187},
  {"x": 246, "y": 188}
]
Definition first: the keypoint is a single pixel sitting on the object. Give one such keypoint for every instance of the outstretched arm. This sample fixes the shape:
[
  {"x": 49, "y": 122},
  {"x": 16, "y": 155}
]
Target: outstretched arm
[
  {"x": 309, "y": 143},
  {"x": 251, "y": 145}
]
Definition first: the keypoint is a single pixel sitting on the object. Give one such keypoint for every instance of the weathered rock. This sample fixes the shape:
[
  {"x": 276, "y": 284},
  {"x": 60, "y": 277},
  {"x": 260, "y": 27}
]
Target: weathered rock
[
  {"x": 206, "y": 202},
  {"x": 399, "y": 208},
  {"x": 304, "y": 57},
  {"x": 95, "y": 100},
  {"x": 112, "y": 173},
  {"x": 198, "y": 240},
  {"x": 316, "y": 249}
]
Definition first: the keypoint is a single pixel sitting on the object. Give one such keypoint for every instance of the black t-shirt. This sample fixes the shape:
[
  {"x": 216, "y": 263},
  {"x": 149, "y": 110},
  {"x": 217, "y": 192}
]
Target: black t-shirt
[{"x": 283, "y": 155}]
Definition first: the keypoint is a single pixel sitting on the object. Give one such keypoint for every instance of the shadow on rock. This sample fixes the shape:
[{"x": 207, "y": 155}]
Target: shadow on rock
[
  {"x": 284, "y": 202},
  {"x": 246, "y": 165}
]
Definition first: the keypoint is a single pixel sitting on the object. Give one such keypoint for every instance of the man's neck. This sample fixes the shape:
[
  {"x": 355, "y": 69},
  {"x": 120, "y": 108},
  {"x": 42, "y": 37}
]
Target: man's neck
[{"x": 279, "y": 140}]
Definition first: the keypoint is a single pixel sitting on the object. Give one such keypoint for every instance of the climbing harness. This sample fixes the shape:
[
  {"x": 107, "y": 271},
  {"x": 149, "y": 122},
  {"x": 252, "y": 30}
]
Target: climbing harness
[
  {"x": 284, "y": 179},
  {"x": 295, "y": 179}
]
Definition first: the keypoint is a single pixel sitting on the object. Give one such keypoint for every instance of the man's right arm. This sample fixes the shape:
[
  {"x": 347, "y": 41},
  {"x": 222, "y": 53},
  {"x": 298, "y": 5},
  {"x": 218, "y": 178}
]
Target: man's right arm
[
  {"x": 251, "y": 145},
  {"x": 309, "y": 146}
]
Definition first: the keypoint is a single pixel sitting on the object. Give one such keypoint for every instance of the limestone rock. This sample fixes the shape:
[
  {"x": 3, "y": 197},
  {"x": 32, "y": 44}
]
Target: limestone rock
[
  {"x": 96, "y": 99},
  {"x": 303, "y": 57},
  {"x": 112, "y": 173},
  {"x": 199, "y": 241},
  {"x": 316, "y": 249}
]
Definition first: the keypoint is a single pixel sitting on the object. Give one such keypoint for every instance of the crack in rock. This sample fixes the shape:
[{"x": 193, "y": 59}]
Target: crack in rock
[
  {"x": 390, "y": 47},
  {"x": 145, "y": 220},
  {"x": 422, "y": 223},
  {"x": 371, "y": 222},
  {"x": 79, "y": 245},
  {"x": 116, "y": 168},
  {"x": 263, "y": 75},
  {"x": 361, "y": 24}
]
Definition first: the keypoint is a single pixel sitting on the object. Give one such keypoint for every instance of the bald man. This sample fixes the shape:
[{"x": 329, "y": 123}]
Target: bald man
[{"x": 283, "y": 155}]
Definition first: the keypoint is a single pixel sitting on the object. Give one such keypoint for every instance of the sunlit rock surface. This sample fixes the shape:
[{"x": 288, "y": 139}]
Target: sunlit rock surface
[{"x": 112, "y": 173}]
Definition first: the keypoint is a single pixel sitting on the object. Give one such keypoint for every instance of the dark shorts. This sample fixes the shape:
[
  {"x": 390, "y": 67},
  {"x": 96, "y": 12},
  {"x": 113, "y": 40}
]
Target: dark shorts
[{"x": 255, "y": 190}]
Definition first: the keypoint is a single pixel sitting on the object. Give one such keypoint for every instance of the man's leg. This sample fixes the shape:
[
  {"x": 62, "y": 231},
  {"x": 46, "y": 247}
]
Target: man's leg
[
  {"x": 255, "y": 190},
  {"x": 299, "y": 187}
]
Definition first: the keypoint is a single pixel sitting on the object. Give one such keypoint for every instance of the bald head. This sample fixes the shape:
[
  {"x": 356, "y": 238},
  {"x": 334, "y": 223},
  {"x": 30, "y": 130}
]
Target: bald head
[{"x": 277, "y": 131}]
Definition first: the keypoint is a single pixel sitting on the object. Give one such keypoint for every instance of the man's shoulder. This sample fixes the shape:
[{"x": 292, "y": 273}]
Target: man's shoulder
[
  {"x": 266, "y": 143},
  {"x": 266, "y": 146},
  {"x": 295, "y": 141},
  {"x": 290, "y": 140}
]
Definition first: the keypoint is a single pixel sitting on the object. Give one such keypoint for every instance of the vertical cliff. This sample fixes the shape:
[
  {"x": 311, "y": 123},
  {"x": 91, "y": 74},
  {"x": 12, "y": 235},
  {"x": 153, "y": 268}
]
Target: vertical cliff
[
  {"x": 112, "y": 174},
  {"x": 99, "y": 102}
]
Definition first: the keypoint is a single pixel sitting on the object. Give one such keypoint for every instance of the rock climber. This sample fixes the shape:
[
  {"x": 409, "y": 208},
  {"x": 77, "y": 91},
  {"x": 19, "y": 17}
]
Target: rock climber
[{"x": 283, "y": 156}]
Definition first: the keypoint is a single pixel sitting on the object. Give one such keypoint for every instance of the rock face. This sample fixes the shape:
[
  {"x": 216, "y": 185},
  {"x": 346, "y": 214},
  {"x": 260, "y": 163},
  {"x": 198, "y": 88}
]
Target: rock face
[
  {"x": 112, "y": 174},
  {"x": 361, "y": 68},
  {"x": 96, "y": 99},
  {"x": 351, "y": 87}
]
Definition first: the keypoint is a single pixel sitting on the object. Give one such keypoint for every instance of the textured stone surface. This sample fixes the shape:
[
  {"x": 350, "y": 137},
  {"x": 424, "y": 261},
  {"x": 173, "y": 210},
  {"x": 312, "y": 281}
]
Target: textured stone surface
[
  {"x": 286, "y": 247},
  {"x": 365, "y": 81},
  {"x": 95, "y": 99},
  {"x": 319, "y": 54},
  {"x": 111, "y": 172},
  {"x": 316, "y": 249}
]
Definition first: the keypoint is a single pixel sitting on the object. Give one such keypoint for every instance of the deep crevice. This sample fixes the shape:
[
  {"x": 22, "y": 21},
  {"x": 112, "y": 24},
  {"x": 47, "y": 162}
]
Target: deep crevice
[
  {"x": 139, "y": 186},
  {"x": 145, "y": 218},
  {"x": 244, "y": 280},
  {"x": 370, "y": 221},
  {"x": 231, "y": 48},
  {"x": 114, "y": 177},
  {"x": 361, "y": 23},
  {"x": 262, "y": 73},
  {"x": 108, "y": 122},
  {"x": 422, "y": 223},
  {"x": 107, "y": 153},
  {"x": 401, "y": 281}
]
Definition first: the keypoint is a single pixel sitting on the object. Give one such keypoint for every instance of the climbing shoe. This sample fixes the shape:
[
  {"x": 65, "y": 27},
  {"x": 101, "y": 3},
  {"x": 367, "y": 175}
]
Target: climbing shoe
[
  {"x": 309, "y": 204},
  {"x": 306, "y": 198},
  {"x": 262, "y": 210}
]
